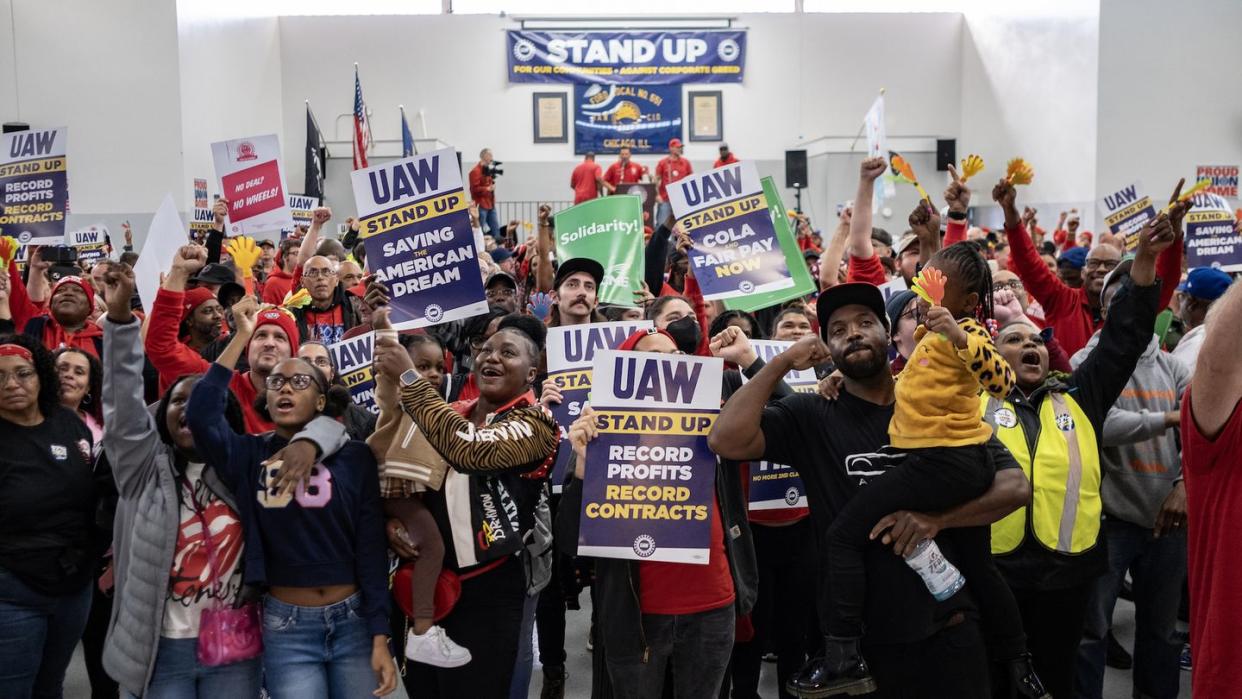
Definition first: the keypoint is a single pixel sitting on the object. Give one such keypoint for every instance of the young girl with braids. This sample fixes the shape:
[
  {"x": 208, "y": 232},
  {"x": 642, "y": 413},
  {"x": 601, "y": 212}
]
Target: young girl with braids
[{"x": 937, "y": 422}]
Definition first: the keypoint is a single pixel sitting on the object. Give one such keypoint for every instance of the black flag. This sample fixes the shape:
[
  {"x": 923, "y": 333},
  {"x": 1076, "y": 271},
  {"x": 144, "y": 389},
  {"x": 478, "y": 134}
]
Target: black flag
[{"x": 316, "y": 157}]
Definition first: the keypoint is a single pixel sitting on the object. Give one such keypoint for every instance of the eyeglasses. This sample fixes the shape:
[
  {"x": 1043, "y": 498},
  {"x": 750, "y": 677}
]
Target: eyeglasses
[
  {"x": 1012, "y": 285},
  {"x": 1108, "y": 265},
  {"x": 502, "y": 293},
  {"x": 323, "y": 362},
  {"x": 916, "y": 313},
  {"x": 23, "y": 376},
  {"x": 300, "y": 382},
  {"x": 318, "y": 273}
]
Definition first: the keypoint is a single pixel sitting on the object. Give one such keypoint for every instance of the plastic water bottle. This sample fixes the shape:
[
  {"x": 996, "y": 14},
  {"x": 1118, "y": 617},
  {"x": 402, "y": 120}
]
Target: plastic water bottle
[{"x": 942, "y": 578}]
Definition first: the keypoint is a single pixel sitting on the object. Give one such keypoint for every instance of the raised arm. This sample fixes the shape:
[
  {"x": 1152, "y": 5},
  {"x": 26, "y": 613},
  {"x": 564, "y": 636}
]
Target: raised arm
[
  {"x": 830, "y": 261},
  {"x": 957, "y": 196},
  {"x": 1128, "y": 330},
  {"x": 655, "y": 255},
  {"x": 543, "y": 249},
  {"x": 310, "y": 242},
  {"x": 1024, "y": 258},
  {"x": 1217, "y": 383},
  {"x": 860, "y": 223},
  {"x": 131, "y": 438},
  {"x": 738, "y": 432},
  {"x": 20, "y": 305},
  {"x": 171, "y": 357},
  {"x": 1169, "y": 264},
  {"x": 215, "y": 236}
]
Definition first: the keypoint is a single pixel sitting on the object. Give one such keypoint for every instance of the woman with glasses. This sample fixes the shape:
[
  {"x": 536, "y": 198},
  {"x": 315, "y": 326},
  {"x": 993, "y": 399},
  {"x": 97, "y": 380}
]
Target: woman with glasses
[
  {"x": 47, "y": 508},
  {"x": 359, "y": 422},
  {"x": 319, "y": 546}
]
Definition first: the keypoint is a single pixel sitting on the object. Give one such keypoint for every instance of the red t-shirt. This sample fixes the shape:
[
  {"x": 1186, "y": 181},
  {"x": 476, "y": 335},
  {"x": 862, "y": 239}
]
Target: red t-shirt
[
  {"x": 669, "y": 171},
  {"x": 721, "y": 162},
  {"x": 583, "y": 181},
  {"x": 629, "y": 174},
  {"x": 687, "y": 588},
  {"x": 327, "y": 326},
  {"x": 1213, "y": 473}
]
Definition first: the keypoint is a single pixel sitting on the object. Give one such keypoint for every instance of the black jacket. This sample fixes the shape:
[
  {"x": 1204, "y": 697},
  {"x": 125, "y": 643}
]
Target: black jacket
[
  {"x": 349, "y": 315},
  {"x": 1095, "y": 386},
  {"x": 618, "y": 614}
]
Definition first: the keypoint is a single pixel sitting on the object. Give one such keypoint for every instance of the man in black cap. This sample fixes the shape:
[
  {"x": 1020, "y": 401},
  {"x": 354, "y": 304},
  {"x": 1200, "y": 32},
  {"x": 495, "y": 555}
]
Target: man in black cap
[
  {"x": 212, "y": 276},
  {"x": 575, "y": 292},
  {"x": 916, "y": 646},
  {"x": 501, "y": 290}
]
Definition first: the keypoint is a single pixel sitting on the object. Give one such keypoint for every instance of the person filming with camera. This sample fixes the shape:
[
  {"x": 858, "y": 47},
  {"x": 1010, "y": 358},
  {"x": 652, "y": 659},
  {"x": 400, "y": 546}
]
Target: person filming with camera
[{"x": 483, "y": 192}]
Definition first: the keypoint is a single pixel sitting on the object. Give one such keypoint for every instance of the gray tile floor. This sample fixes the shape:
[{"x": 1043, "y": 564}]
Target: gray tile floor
[{"x": 1116, "y": 682}]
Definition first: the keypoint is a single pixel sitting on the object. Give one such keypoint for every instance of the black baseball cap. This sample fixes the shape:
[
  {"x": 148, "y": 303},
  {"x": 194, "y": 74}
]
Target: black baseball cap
[
  {"x": 854, "y": 293},
  {"x": 579, "y": 264},
  {"x": 500, "y": 278},
  {"x": 214, "y": 273}
]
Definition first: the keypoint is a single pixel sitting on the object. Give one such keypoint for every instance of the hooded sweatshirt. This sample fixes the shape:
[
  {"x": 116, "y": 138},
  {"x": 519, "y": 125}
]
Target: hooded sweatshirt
[{"x": 1139, "y": 459}]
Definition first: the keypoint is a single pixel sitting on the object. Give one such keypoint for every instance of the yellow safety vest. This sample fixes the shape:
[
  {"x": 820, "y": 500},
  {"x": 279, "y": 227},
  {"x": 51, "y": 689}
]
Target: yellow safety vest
[{"x": 1065, "y": 509}]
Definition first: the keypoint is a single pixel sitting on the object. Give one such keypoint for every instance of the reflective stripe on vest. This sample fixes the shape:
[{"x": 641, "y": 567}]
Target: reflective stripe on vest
[{"x": 1065, "y": 508}]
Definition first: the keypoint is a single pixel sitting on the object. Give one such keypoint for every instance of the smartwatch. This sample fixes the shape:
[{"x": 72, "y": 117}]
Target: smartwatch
[{"x": 408, "y": 377}]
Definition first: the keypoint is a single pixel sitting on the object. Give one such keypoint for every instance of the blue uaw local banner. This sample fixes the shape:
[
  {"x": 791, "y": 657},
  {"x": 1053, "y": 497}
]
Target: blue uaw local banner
[
  {"x": 649, "y": 483},
  {"x": 631, "y": 58},
  {"x": 352, "y": 359},
  {"x": 736, "y": 251},
  {"x": 643, "y": 118},
  {"x": 416, "y": 231},
  {"x": 34, "y": 186},
  {"x": 1125, "y": 211},
  {"x": 1212, "y": 238},
  {"x": 571, "y": 352}
]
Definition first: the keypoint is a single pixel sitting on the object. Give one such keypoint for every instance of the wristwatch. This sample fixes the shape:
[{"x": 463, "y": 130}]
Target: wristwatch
[{"x": 408, "y": 377}]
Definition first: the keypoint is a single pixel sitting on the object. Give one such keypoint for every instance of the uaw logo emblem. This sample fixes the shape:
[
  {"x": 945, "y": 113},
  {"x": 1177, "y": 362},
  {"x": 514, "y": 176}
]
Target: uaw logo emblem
[
  {"x": 791, "y": 497},
  {"x": 433, "y": 313},
  {"x": 644, "y": 545},
  {"x": 728, "y": 50},
  {"x": 523, "y": 50},
  {"x": 245, "y": 151}
]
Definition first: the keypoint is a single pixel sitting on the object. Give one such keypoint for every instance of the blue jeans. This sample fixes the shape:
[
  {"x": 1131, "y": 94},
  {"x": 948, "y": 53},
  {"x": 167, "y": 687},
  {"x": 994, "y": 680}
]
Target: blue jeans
[
  {"x": 697, "y": 645},
  {"x": 178, "y": 675},
  {"x": 316, "y": 651},
  {"x": 490, "y": 224},
  {"x": 522, "y": 669},
  {"x": 38, "y": 633},
  {"x": 1158, "y": 567}
]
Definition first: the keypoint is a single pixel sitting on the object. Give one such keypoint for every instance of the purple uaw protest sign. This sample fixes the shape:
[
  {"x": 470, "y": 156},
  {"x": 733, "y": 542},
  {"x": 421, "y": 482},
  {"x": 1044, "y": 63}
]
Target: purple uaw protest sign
[
  {"x": 650, "y": 479},
  {"x": 571, "y": 350},
  {"x": 1212, "y": 239},
  {"x": 775, "y": 487},
  {"x": 736, "y": 251},
  {"x": 418, "y": 238}
]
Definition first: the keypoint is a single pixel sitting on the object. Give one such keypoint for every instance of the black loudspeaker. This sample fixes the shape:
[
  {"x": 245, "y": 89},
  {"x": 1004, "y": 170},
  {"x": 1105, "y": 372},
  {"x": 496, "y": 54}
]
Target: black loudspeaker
[
  {"x": 946, "y": 153},
  {"x": 795, "y": 169}
]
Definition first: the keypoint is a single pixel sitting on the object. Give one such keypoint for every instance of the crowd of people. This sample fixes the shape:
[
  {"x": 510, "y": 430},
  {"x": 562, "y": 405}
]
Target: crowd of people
[{"x": 195, "y": 497}]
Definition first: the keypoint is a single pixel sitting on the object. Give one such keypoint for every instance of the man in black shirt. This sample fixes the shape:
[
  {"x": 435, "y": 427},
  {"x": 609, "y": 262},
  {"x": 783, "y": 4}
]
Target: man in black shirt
[{"x": 917, "y": 647}]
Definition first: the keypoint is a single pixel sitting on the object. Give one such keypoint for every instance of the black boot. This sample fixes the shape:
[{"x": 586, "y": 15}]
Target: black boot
[
  {"x": 1116, "y": 655},
  {"x": 553, "y": 682},
  {"x": 841, "y": 670},
  {"x": 1025, "y": 682}
]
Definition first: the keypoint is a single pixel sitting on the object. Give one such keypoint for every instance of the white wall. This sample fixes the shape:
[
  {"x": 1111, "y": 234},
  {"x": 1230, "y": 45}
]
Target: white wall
[
  {"x": 108, "y": 71},
  {"x": 1169, "y": 97},
  {"x": 1029, "y": 86},
  {"x": 230, "y": 84}
]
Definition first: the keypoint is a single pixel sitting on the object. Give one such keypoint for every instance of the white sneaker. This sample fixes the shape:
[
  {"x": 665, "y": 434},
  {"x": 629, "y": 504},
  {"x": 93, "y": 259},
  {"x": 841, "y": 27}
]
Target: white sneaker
[{"x": 435, "y": 648}]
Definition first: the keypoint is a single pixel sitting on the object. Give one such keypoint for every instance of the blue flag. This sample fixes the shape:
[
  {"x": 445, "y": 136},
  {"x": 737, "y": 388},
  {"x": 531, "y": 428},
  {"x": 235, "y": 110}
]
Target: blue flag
[{"x": 407, "y": 138}]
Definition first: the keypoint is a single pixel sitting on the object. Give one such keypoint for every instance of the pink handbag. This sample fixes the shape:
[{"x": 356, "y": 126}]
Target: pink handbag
[{"x": 225, "y": 634}]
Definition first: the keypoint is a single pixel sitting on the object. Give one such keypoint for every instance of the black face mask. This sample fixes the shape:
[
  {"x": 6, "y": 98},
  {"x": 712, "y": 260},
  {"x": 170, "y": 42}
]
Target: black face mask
[{"x": 686, "y": 333}]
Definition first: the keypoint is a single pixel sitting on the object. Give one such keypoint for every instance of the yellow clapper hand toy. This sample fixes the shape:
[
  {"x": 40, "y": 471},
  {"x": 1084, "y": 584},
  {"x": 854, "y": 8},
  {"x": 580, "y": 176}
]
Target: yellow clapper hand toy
[
  {"x": 1019, "y": 172},
  {"x": 8, "y": 250}
]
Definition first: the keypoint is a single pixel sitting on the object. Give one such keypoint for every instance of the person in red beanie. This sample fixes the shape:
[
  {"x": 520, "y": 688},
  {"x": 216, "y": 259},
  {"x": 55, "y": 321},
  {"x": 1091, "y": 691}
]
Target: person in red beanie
[
  {"x": 65, "y": 323},
  {"x": 275, "y": 339},
  {"x": 201, "y": 314}
]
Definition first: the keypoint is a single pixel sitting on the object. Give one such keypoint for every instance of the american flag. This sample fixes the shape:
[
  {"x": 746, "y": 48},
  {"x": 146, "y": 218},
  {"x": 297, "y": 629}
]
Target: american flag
[{"x": 362, "y": 127}]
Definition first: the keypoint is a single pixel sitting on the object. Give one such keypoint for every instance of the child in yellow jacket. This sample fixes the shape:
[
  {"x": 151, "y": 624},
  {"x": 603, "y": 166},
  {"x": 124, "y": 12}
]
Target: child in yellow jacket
[{"x": 937, "y": 422}]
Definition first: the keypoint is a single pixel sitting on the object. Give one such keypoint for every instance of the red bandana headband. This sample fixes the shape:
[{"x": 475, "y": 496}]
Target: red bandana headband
[{"x": 12, "y": 350}]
